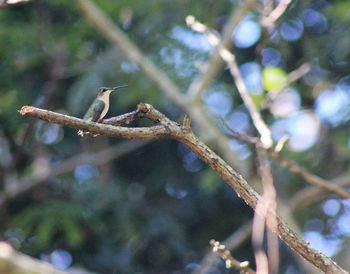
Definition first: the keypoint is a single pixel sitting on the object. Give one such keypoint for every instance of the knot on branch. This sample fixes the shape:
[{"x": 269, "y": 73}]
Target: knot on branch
[
  {"x": 25, "y": 109},
  {"x": 144, "y": 108},
  {"x": 186, "y": 124}
]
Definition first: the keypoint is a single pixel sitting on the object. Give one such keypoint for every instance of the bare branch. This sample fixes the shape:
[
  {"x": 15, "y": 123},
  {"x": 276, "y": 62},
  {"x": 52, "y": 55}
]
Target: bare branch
[
  {"x": 309, "y": 177},
  {"x": 230, "y": 262},
  {"x": 124, "y": 119},
  {"x": 263, "y": 263},
  {"x": 298, "y": 73},
  {"x": 172, "y": 130},
  {"x": 235, "y": 240},
  {"x": 260, "y": 125},
  {"x": 311, "y": 195},
  {"x": 281, "y": 143},
  {"x": 186, "y": 124},
  {"x": 146, "y": 133},
  {"x": 200, "y": 84}
]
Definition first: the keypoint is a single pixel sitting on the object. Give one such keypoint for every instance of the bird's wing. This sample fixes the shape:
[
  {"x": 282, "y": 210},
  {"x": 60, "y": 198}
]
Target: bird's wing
[{"x": 98, "y": 108}]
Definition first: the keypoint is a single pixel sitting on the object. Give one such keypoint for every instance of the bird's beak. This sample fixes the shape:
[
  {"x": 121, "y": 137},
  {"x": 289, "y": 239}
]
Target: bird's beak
[{"x": 119, "y": 87}]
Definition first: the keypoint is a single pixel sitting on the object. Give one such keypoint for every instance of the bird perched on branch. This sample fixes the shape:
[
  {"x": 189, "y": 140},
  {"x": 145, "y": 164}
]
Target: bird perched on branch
[{"x": 99, "y": 107}]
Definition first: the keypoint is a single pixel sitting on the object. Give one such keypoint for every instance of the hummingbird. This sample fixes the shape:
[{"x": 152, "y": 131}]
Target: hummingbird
[{"x": 99, "y": 107}]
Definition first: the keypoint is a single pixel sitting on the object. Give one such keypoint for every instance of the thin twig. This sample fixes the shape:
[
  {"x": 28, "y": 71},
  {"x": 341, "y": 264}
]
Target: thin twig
[
  {"x": 124, "y": 119},
  {"x": 234, "y": 241},
  {"x": 294, "y": 168},
  {"x": 230, "y": 59},
  {"x": 260, "y": 125},
  {"x": 230, "y": 262},
  {"x": 313, "y": 194},
  {"x": 291, "y": 78},
  {"x": 298, "y": 73},
  {"x": 270, "y": 20},
  {"x": 281, "y": 143},
  {"x": 201, "y": 83},
  {"x": 309, "y": 177},
  {"x": 269, "y": 192},
  {"x": 172, "y": 130}
]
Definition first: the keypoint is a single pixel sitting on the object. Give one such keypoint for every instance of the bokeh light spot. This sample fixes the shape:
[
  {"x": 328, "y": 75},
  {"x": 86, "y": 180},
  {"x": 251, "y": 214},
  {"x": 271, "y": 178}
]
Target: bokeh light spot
[
  {"x": 314, "y": 224},
  {"x": 274, "y": 78},
  {"x": 314, "y": 20},
  {"x": 189, "y": 159},
  {"x": 247, "y": 33},
  {"x": 239, "y": 121},
  {"x": 291, "y": 30},
  {"x": 241, "y": 149},
  {"x": 331, "y": 207},
  {"x": 195, "y": 41},
  {"x": 270, "y": 57},
  {"x": 176, "y": 190},
  {"x": 48, "y": 133},
  {"x": 294, "y": 126},
  {"x": 61, "y": 259},
  {"x": 343, "y": 224},
  {"x": 218, "y": 102},
  {"x": 251, "y": 74},
  {"x": 333, "y": 106},
  {"x": 85, "y": 172},
  {"x": 285, "y": 103},
  {"x": 327, "y": 246},
  {"x": 344, "y": 84}
]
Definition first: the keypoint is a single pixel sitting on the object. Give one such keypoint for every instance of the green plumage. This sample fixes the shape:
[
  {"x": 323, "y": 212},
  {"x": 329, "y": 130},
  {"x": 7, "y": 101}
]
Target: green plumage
[{"x": 94, "y": 112}]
